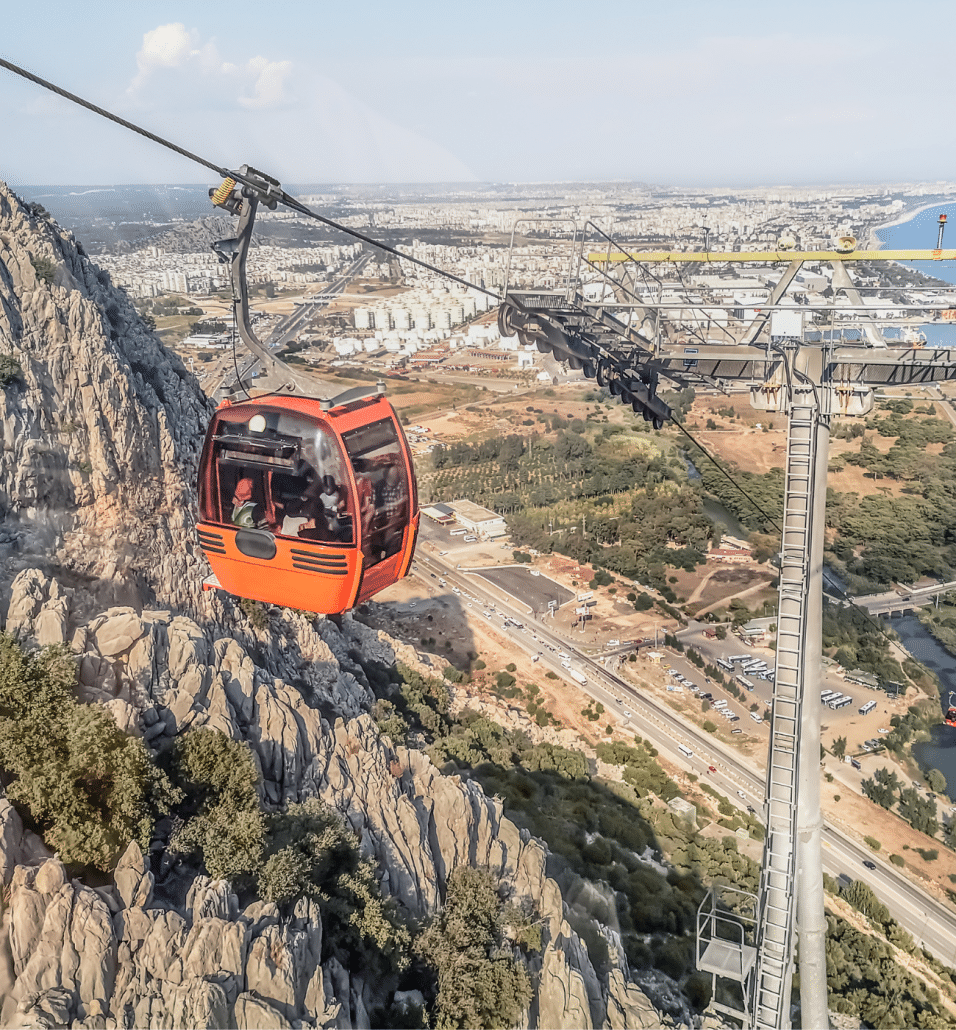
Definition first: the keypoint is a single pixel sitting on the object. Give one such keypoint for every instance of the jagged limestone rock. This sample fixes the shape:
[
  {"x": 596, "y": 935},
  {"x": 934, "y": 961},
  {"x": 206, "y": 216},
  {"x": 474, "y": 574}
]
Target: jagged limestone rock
[
  {"x": 628, "y": 1007},
  {"x": 134, "y": 882},
  {"x": 253, "y": 1013},
  {"x": 101, "y": 431}
]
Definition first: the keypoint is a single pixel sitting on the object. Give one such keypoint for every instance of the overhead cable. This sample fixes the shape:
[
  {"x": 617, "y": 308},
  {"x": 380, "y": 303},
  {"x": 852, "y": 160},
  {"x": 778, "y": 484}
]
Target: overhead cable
[{"x": 280, "y": 196}]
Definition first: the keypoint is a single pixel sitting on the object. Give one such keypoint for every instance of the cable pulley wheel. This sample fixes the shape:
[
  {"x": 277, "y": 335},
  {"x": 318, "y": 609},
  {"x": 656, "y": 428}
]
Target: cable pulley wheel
[{"x": 505, "y": 324}]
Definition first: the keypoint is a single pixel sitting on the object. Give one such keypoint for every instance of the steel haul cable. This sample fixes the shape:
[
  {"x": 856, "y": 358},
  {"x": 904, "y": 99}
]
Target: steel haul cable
[{"x": 280, "y": 196}]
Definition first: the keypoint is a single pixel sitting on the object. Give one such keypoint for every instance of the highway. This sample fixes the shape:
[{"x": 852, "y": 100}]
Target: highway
[
  {"x": 929, "y": 921},
  {"x": 286, "y": 331}
]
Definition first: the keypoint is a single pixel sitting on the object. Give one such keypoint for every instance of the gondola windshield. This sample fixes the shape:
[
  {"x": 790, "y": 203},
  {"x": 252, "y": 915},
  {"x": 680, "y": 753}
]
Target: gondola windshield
[
  {"x": 383, "y": 489},
  {"x": 280, "y": 471}
]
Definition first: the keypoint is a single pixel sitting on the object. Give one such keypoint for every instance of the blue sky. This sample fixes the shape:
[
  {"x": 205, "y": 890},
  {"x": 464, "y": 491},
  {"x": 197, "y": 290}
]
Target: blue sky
[{"x": 672, "y": 92}]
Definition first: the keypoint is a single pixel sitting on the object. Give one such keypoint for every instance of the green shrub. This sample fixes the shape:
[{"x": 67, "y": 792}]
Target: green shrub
[
  {"x": 45, "y": 268},
  {"x": 226, "y": 828},
  {"x": 710, "y": 727},
  {"x": 311, "y": 852},
  {"x": 388, "y": 721},
  {"x": 255, "y": 612},
  {"x": 10, "y": 370},
  {"x": 873, "y": 843},
  {"x": 89, "y": 788},
  {"x": 479, "y": 981},
  {"x": 928, "y": 854}
]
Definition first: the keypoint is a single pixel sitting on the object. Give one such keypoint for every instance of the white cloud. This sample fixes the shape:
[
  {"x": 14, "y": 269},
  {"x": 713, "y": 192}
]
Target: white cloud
[
  {"x": 277, "y": 114},
  {"x": 269, "y": 88},
  {"x": 167, "y": 46},
  {"x": 256, "y": 84}
]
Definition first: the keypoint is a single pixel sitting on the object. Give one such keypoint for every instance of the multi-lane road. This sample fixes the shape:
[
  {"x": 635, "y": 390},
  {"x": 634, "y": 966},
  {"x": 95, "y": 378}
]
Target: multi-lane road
[
  {"x": 932, "y": 923},
  {"x": 286, "y": 331}
]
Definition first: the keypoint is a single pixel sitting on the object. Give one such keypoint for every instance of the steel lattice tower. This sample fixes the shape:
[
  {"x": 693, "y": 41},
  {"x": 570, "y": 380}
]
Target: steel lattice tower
[{"x": 808, "y": 383}]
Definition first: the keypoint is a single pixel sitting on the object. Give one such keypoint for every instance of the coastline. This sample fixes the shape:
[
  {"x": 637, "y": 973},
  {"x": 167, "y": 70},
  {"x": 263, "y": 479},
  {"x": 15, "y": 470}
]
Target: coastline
[{"x": 875, "y": 243}]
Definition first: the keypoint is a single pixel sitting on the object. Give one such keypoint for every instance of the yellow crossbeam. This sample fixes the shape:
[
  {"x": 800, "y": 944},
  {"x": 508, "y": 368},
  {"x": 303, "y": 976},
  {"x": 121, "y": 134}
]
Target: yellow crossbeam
[{"x": 771, "y": 256}]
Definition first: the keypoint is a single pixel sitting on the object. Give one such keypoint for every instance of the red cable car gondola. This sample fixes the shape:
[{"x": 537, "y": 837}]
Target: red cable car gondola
[
  {"x": 950, "y": 717},
  {"x": 305, "y": 503}
]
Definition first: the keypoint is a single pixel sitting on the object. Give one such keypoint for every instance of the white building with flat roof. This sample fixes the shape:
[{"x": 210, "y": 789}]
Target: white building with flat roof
[{"x": 478, "y": 520}]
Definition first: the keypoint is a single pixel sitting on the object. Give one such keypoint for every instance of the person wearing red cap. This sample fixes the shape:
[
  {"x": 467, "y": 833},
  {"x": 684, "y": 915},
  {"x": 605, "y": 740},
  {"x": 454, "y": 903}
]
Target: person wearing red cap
[{"x": 245, "y": 512}]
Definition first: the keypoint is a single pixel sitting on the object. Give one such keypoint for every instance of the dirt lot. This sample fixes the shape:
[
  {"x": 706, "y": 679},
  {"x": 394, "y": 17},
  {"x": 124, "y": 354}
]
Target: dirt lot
[
  {"x": 760, "y": 450},
  {"x": 738, "y": 439},
  {"x": 715, "y": 585}
]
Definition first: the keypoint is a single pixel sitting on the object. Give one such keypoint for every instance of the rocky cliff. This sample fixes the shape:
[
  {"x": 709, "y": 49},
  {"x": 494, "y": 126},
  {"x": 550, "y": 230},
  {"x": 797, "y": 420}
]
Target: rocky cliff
[{"x": 101, "y": 430}]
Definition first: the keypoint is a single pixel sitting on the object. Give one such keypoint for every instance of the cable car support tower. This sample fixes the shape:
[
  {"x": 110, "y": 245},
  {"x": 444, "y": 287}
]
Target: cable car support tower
[{"x": 627, "y": 342}]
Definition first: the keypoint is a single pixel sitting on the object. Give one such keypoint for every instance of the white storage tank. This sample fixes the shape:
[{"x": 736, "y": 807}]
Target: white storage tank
[{"x": 421, "y": 318}]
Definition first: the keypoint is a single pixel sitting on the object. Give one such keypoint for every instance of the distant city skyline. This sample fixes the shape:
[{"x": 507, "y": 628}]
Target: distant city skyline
[{"x": 685, "y": 94}]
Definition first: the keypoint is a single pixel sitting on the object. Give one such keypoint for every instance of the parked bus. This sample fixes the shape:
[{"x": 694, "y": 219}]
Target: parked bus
[
  {"x": 741, "y": 658},
  {"x": 744, "y": 682},
  {"x": 828, "y": 695},
  {"x": 724, "y": 664},
  {"x": 867, "y": 708},
  {"x": 841, "y": 702}
]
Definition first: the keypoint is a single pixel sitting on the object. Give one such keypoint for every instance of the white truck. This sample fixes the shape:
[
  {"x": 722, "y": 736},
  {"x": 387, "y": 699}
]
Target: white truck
[{"x": 578, "y": 677}]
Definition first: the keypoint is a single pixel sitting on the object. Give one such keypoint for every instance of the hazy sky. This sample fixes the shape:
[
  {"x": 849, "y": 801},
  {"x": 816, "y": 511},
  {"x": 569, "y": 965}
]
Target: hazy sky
[{"x": 671, "y": 92}]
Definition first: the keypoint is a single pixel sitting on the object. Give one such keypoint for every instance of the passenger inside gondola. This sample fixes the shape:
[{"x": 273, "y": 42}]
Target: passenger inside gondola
[
  {"x": 391, "y": 511},
  {"x": 253, "y": 505},
  {"x": 309, "y": 498}
]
